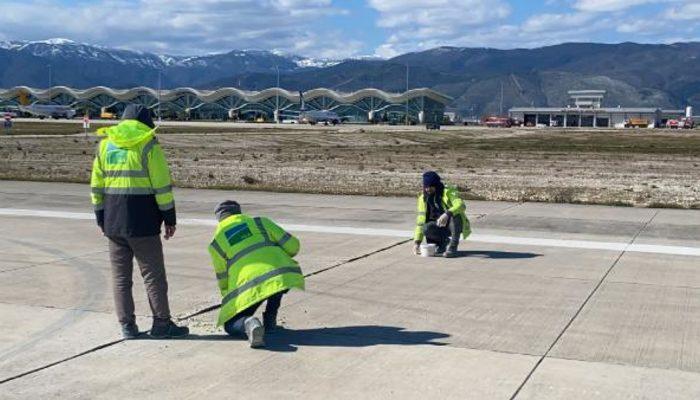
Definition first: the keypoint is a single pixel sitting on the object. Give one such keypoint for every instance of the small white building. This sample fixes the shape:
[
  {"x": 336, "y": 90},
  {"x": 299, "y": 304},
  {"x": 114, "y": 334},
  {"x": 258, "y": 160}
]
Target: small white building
[{"x": 587, "y": 111}]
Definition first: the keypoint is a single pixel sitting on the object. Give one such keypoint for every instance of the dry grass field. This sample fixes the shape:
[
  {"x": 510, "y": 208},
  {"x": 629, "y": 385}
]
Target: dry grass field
[{"x": 658, "y": 168}]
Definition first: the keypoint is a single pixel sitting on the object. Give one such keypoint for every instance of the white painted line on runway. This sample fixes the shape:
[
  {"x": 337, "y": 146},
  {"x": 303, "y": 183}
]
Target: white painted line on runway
[
  {"x": 18, "y": 212},
  {"x": 347, "y": 230}
]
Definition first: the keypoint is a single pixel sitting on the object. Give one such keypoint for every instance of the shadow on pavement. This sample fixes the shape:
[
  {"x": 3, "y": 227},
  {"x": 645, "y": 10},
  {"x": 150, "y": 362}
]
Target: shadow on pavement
[
  {"x": 288, "y": 340},
  {"x": 495, "y": 255}
]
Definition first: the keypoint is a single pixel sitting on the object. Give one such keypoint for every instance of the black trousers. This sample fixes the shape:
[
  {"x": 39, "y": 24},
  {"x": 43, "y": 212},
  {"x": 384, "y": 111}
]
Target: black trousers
[
  {"x": 236, "y": 325},
  {"x": 442, "y": 235}
]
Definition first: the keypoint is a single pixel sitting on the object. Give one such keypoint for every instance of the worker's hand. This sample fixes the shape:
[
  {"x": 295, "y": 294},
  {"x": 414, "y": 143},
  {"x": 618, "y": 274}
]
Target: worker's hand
[
  {"x": 443, "y": 220},
  {"x": 169, "y": 231},
  {"x": 416, "y": 249},
  {"x": 100, "y": 231}
]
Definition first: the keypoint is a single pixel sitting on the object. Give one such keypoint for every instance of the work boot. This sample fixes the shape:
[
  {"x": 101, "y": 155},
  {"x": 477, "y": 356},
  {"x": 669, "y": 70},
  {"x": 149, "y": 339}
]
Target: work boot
[
  {"x": 451, "y": 252},
  {"x": 130, "y": 331},
  {"x": 440, "y": 248},
  {"x": 270, "y": 322},
  {"x": 255, "y": 332},
  {"x": 166, "y": 329}
]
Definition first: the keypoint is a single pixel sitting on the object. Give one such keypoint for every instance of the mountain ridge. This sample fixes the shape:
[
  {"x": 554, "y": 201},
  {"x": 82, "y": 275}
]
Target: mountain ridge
[{"x": 634, "y": 74}]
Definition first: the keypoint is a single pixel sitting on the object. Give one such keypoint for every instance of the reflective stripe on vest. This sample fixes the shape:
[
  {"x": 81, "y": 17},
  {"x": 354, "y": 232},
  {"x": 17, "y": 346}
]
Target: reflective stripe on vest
[
  {"x": 163, "y": 190},
  {"x": 129, "y": 190},
  {"x": 138, "y": 173},
  {"x": 167, "y": 206},
  {"x": 285, "y": 239},
  {"x": 217, "y": 248},
  {"x": 215, "y": 245},
  {"x": 243, "y": 252},
  {"x": 248, "y": 250},
  {"x": 144, "y": 154},
  {"x": 261, "y": 228},
  {"x": 125, "y": 173},
  {"x": 258, "y": 280}
]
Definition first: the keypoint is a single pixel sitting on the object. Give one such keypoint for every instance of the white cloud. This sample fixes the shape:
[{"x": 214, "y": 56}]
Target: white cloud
[
  {"x": 609, "y": 5},
  {"x": 180, "y": 27},
  {"x": 424, "y": 23},
  {"x": 419, "y": 25},
  {"x": 690, "y": 11},
  {"x": 543, "y": 23},
  {"x": 641, "y": 27},
  {"x": 476, "y": 23}
]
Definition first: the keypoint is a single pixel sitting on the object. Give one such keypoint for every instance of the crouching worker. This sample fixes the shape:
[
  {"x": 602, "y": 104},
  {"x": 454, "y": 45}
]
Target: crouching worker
[
  {"x": 253, "y": 262},
  {"x": 441, "y": 216}
]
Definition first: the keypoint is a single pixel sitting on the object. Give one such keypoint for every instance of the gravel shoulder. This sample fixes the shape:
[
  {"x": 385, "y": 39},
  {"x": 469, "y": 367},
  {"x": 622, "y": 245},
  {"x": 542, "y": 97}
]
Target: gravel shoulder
[{"x": 631, "y": 167}]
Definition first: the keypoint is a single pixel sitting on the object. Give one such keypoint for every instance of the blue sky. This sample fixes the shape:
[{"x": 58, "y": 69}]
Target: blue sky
[{"x": 348, "y": 28}]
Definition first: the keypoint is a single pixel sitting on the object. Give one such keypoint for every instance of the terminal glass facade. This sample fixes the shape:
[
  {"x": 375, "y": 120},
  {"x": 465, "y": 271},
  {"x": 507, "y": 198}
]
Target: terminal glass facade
[{"x": 363, "y": 106}]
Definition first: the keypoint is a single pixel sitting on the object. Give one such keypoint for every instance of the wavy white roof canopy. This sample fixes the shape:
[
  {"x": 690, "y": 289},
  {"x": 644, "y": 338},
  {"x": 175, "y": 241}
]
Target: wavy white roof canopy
[{"x": 214, "y": 95}]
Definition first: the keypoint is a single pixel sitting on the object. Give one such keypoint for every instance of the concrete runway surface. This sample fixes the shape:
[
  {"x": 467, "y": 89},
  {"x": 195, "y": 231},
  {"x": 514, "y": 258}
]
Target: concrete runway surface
[{"x": 545, "y": 302}]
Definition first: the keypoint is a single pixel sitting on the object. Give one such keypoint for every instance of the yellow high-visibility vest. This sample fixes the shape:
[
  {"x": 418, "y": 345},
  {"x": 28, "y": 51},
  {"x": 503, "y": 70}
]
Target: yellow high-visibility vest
[
  {"x": 129, "y": 160},
  {"x": 252, "y": 259},
  {"x": 450, "y": 202}
]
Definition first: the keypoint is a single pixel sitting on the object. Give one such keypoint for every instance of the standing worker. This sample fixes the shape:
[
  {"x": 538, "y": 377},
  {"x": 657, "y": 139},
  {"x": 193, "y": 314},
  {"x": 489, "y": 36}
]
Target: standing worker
[
  {"x": 133, "y": 197},
  {"x": 441, "y": 216},
  {"x": 253, "y": 262}
]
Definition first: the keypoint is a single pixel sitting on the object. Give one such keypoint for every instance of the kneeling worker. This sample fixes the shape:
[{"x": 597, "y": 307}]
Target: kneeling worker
[
  {"x": 441, "y": 216},
  {"x": 253, "y": 262}
]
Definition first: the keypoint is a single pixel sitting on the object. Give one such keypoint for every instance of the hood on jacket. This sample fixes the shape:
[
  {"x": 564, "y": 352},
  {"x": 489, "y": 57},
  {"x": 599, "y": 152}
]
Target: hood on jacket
[
  {"x": 139, "y": 113},
  {"x": 128, "y": 134}
]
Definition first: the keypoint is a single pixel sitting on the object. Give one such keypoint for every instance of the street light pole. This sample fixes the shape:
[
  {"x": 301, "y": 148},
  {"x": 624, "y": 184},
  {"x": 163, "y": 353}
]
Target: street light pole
[
  {"x": 277, "y": 103},
  {"x": 159, "y": 88},
  {"x": 407, "y": 92},
  {"x": 50, "y": 83}
]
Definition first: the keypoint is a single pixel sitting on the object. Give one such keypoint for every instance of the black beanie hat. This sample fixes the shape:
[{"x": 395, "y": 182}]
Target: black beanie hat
[
  {"x": 431, "y": 178},
  {"x": 227, "y": 209}
]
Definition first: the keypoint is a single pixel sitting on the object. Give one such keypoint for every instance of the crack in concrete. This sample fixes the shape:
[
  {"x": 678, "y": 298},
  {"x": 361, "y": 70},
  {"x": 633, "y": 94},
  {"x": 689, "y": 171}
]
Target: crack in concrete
[
  {"x": 43, "y": 367},
  {"x": 92, "y": 277},
  {"x": 625, "y": 364},
  {"x": 348, "y": 261},
  {"x": 49, "y": 307},
  {"x": 581, "y": 307},
  {"x": 200, "y": 312}
]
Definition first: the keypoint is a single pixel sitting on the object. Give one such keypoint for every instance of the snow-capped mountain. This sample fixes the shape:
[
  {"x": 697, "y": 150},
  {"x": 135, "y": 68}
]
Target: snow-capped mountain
[
  {"x": 69, "y": 50},
  {"x": 307, "y": 62},
  {"x": 126, "y": 66},
  {"x": 632, "y": 74}
]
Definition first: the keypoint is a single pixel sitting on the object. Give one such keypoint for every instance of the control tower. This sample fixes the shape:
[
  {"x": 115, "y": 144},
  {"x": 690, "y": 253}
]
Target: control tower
[{"x": 587, "y": 98}]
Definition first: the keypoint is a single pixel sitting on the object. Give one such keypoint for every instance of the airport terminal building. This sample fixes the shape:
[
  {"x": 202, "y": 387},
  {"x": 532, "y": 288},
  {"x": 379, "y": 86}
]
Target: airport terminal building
[
  {"x": 421, "y": 105},
  {"x": 587, "y": 111}
]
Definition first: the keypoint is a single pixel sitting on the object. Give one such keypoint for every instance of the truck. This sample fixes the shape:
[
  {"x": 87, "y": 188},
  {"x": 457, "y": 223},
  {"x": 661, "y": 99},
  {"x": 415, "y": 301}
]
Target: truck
[
  {"x": 682, "y": 123},
  {"x": 637, "y": 123},
  {"x": 493, "y": 121},
  {"x": 687, "y": 123},
  {"x": 108, "y": 113}
]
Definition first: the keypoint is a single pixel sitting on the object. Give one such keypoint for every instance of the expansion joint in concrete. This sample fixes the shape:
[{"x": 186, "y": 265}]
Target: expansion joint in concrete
[
  {"x": 582, "y": 306},
  {"x": 340, "y": 264},
  {"x": 53, "y": 364}
]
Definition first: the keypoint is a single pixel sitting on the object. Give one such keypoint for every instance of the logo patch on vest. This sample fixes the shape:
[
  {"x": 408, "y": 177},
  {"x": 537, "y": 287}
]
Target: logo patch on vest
[
  {"x": 237, "y": 234},
  {"x": 115, "y": 155}
]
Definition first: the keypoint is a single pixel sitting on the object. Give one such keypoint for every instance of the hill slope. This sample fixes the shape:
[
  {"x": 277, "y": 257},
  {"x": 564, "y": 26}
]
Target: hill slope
[{"x": 633, "y": 74}]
